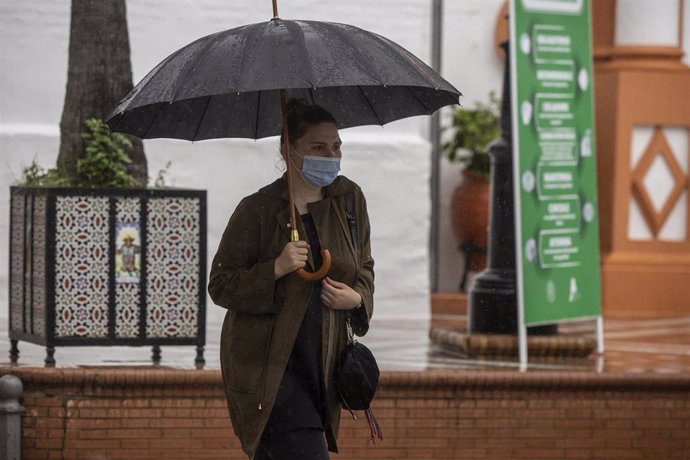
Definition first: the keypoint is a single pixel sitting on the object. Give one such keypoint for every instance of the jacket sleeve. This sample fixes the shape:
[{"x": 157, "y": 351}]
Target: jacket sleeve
[
  {"x": 240, "y": 280},
  {"x": 364, "y": 285}
]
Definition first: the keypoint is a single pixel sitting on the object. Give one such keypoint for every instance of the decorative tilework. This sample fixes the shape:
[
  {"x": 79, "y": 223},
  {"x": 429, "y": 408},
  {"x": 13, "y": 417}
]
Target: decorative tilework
[
  {"x": 82, "y": 266},
  {"x": 83, "y": 234},
  {"x": 172, "y": 255},
  {"x": 17, "y": 262},
  {"x": 39, "y": 265},
  {"x": 127, "y": 310},
  {"x": 28, "y": 257}
]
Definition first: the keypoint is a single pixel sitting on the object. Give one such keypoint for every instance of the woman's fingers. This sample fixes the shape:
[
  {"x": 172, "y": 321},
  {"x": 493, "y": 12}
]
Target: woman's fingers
[
  {"x": 328, "y": 294},
  {"x": 337, "y": 295},
  {"x": 335, "y": 284},
  {"x": 293, "y": 256},
  {"x": 327, "y": 298},
  {"x": 299, "y": 252}
]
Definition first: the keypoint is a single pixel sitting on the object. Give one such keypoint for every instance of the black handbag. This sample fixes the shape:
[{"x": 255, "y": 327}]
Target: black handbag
[{"x": 358, "y": 375}]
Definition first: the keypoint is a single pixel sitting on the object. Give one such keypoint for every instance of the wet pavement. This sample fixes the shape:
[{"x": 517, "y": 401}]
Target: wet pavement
[{"x": 631, "y": 346}]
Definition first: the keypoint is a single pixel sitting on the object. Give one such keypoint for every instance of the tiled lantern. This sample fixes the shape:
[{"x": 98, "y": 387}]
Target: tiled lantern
[{"x": 107, "y": 267}]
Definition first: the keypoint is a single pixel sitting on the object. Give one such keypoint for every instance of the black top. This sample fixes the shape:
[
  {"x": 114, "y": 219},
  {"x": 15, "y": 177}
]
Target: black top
[{"x": 301, "y": 399}]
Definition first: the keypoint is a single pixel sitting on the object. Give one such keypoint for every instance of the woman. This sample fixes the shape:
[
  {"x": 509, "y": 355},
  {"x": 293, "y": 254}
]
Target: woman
[{"x": 282, "y": 337}]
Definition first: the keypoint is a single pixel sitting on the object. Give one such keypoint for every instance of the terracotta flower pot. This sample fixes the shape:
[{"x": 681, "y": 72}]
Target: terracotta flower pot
[{"x": 470, "y": 214}]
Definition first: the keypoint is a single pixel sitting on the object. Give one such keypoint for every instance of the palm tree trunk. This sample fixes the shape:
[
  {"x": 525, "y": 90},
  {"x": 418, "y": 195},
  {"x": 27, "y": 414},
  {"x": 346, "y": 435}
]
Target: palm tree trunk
[{"x": 99, "y": 75}]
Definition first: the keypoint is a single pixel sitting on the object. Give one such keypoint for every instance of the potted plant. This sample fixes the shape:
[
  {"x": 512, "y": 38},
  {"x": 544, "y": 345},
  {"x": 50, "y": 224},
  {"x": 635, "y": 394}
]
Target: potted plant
[
  {"x": 471, "y": 131},
  {"x": 95, "y": 259}
]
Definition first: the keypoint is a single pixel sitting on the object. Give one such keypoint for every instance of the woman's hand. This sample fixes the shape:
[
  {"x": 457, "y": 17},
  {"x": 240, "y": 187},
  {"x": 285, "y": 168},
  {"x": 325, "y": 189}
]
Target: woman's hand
[
  {"x": 339, "y": 296},
  {"x": 294, "y": 256}
]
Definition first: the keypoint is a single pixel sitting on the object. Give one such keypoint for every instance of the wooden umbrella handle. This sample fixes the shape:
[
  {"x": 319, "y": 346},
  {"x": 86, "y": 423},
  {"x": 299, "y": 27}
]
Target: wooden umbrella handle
[{"x": 321, "y": 272}]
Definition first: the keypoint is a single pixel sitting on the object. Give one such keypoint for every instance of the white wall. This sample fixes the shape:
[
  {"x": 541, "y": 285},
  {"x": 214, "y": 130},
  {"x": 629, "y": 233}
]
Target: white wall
[
  {"x": 472, "y": 65},
  {"x": 391, "y": 164},
  {"x": 647, "y": 22}
]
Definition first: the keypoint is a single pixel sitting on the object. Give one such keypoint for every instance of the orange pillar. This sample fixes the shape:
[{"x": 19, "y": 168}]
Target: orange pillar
[{"x": 642, "y": 103}]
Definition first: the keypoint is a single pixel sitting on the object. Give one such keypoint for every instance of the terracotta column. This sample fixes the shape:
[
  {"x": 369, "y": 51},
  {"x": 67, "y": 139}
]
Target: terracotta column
[{"x": 643, "y": 149}]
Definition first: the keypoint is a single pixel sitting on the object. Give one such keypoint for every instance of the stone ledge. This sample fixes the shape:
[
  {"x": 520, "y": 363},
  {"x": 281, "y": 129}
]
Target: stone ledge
[
  {"x": 34, "y": 378},
  {"x": 535, "y": 380},
  {"x": 115, "y": 376},
  {"x": 560, "y": 345}
]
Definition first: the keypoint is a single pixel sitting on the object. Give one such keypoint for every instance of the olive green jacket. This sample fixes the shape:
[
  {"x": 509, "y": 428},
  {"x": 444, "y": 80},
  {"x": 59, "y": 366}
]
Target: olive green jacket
[{"x": 264, "y": 314}]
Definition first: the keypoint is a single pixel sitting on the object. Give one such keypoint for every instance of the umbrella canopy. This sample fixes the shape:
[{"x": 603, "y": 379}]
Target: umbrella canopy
[
  {"x": 229, "y": 84},
  {"x": 236, "y": 83}
]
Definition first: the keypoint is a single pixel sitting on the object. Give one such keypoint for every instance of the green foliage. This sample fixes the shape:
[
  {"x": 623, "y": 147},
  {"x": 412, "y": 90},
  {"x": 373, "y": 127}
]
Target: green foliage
[
  {"x": 106, "y": 160},
  {"x": 103, "y": 165},
  {"x": 35, "y": 176},
  {"x": 472, "y": 131}
]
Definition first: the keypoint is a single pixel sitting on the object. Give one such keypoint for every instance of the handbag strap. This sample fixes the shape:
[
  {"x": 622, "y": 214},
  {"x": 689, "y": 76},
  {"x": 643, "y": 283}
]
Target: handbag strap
[
  {"x": 352, "y": 223},
  {"x": 350, "y": 334},
  {"x": 374, "y": 428},
  {"x": 351, "y": 218}
]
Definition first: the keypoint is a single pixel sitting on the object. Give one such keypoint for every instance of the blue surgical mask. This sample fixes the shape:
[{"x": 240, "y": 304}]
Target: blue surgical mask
[{"x": 319, "y": 171}]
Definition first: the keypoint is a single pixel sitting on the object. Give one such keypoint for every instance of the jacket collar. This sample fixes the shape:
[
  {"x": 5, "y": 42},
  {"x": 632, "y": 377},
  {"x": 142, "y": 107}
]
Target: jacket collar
[{"x": 278, "y": 190}]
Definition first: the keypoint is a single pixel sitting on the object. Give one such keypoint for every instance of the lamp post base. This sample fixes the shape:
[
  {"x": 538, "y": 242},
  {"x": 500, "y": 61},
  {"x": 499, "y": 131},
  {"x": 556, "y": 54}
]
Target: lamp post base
[{"x": 493, "y": 305}]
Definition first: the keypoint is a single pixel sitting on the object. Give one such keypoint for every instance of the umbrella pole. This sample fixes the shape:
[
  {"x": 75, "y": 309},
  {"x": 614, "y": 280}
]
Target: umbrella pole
[
  {"x": 294, "y": 234},
  {"x": 275, "y": 9}
]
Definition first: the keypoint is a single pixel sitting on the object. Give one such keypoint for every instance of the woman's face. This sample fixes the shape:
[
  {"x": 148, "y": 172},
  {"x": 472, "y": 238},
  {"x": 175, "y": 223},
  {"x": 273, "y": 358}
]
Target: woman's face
[{"x": 321, "y": 140}]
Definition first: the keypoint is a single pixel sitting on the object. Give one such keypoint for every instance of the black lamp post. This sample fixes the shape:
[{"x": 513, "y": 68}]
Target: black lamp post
[{"x": 493, "y": 297}]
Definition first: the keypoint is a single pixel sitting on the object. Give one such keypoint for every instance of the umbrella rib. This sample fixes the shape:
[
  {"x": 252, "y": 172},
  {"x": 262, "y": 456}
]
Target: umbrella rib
[
  {"x": 134, "y": 92},
  {"x": 201, "y": 119},
  {"x": 155, "y": 119},
  {"x": 421, "y": 102},
  {"x": 297, "y": 32},
  {"x": 371, "y": 106},
  {"x": 189, "y": 66},
  {"x": 258, "y": 111},
  {"x": 407, "y": 58},
  {"x": 362, "y": 59}
]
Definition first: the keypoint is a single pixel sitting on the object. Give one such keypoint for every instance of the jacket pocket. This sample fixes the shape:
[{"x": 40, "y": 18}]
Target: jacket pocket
[{"x": 250, "y": 339}]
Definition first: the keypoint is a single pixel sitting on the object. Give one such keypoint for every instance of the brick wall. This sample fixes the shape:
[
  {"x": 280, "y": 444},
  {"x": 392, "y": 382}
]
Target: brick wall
[{"x": 146, "y": 413}]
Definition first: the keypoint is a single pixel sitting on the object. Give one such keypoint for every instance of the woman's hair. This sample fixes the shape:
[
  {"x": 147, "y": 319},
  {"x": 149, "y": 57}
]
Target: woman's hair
[{"x": 302, "y": 116}]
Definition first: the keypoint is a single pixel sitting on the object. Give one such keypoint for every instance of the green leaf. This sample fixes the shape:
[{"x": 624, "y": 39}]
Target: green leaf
[
  {"x": 106, "y": 160},
  {"x": 472, "y": 130},
  {"x": 103, "y": 165}
]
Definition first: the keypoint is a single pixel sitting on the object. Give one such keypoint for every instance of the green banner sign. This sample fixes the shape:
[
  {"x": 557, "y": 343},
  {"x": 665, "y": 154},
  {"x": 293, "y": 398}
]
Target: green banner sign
[{"x": 555, "y": 169}]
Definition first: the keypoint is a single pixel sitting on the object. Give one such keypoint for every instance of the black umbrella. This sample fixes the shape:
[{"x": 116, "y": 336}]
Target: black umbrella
[{"x": 235, "y": 83}]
